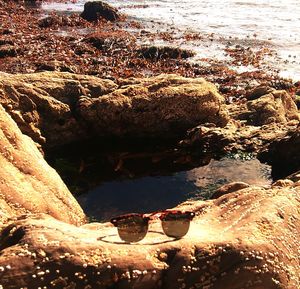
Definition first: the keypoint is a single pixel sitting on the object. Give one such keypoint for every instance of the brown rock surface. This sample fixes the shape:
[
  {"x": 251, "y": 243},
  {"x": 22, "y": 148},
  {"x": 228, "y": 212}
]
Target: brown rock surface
[
  {"x": 58, "y": 108},
  {"x": 246, "y": 239},
  {"x": 93, "y": 10},
  {"x": 161, "y": 106},
  {"x": 277, "y": 106},
  {"x": 42, "y": 104},
  {"x": 254, "y": 125},
  {"x": 27, "y": 183},
  {"x": 283, "y": 153}
]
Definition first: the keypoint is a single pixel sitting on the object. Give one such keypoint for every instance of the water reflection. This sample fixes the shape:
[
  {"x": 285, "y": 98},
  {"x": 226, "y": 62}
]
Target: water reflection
[{"x": 151, "y": 193}]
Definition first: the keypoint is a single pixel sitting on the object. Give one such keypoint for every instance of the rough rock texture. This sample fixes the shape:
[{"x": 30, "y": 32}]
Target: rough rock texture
[
  {"x": 237, "y": 136},
  {"x": 157, "y": 52},
  {"x": 56, "y": 108},
  {"x": 253, "y": 126},
  {"x": 95, "y": 9},
  {"x": 277, "y": 106},
  {"x": 27, "y": 183},
  {"x": 283, "y": 153},
  {"x": 245, "y": 239},
  {"x": 162, "y": 106},
  {"x": 42, "y": 104}
]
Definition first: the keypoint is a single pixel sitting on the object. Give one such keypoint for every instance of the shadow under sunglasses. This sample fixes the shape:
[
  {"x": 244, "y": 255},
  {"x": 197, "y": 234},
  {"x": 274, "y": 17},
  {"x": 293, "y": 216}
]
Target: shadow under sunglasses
[{"x": 134, "y": 227}]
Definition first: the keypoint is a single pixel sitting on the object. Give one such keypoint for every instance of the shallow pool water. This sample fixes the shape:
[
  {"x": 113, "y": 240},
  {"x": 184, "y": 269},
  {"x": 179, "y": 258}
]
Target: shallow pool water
[{"x": 159, "y": 192}]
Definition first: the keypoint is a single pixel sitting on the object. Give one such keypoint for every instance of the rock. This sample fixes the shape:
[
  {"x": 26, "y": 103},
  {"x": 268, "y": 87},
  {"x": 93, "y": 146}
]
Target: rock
[
  {"x": 297, "y": 99},
  {"x": 43, "y": 104},
  {"x": 106, "y": 41},
  {"x": 295, "y": 177},
  {"x": 58, "y": 108},
  {"x": 164, "y": 106},
  {"x": 258, "y": 92},
  {"x": 282, "y": 183},
  {"x": 283, "y": 154},
  {"x": 56, "y": 21},
  {"x": 49, "y": 21},
  {"x": 8, "y": 51},
  {"x": 6, "y": 42},
  {"x": 229, "y": 188},
  {"x": 96, "y": 9},
  {"x": 254, "y": 125},
  {"x": 154, "y": 52},
  {"x": 27, "y": 183},
  {"x": 245, "y": 239},
  {"x": 277, "y": 106},
  {"x": 235, "y": 137}
]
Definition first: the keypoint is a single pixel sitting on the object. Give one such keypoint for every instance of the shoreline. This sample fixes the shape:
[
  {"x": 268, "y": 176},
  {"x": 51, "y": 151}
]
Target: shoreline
[
  {"x": 101, "y": 85},
  {"x": 72, "y": 44}
]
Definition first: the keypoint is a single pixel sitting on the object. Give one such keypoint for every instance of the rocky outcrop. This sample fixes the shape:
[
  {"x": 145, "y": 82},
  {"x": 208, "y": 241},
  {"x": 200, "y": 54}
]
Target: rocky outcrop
[
  {"x": 164, "y": 52},
  {"x": 8, "y": 50},
  {"x": 277, "y": 106},
  {"x": 245, "y": 239},
  {"x": 162, "y": 106},
  {"x": 236, "y": 136},
  {"x": 56, "y": 108},
  {"x": 283, "y": 154},
  {"x": 93, "y": 10},
  {"x": 43, "y": 104},
  {"x": 27, "y": 183},
  {"x": 254, "y": 125}
]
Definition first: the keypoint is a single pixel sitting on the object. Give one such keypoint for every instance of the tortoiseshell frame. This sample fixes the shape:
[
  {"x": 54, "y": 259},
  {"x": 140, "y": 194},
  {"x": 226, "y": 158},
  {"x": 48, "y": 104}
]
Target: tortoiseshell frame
[{"x": 159, "y": 214}]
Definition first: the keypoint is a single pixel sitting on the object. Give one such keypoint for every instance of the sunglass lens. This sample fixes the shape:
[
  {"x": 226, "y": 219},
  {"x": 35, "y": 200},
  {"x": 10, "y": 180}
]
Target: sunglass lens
[
  {"x": 131, "y": 228},
  {"x": 176, "y": 225}
]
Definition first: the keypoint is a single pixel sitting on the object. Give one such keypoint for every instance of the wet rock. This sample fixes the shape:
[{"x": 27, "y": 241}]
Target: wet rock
[
  {"x": 55, "y": 21},
  {"x": 96, "y": 9},
  {"x": 54, "y": 66},
  {"x": 45, "y": 67},
  {"x": 109, "y": 41},
  {"x": 283, "y": 154},
  {"x": 246, "y": 239},
  {"x": 281, "y": 84},
  {"x": 295, "y": 177},
  {"x": 297, "y": 99},
  {"x": 7, "y": 31},
  {"x": 49, "y": 21},
  {"x": 27, "y": 183},
  {"x": 229, "y": 188},
  {"x": 163, "y": 106},
  {"x": 6, "y": 42},
  {"x": 8, "y": 51},
  {"x": 155, "y": 52},
  {"x": 258, "y": 92}
]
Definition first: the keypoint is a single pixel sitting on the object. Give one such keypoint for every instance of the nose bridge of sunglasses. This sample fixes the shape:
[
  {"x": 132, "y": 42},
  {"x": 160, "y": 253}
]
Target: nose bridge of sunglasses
[{"x": 129, "y": 219}]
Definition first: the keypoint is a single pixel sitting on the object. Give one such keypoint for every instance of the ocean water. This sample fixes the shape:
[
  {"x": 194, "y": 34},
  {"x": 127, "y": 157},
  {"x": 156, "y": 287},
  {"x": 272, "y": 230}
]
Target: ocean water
[{"x": 254, "y": 23}]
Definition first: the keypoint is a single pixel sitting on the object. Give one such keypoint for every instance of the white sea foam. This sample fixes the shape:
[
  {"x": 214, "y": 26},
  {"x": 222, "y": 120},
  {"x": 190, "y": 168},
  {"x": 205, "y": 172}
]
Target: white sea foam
[{"x": 277, "y": 22}]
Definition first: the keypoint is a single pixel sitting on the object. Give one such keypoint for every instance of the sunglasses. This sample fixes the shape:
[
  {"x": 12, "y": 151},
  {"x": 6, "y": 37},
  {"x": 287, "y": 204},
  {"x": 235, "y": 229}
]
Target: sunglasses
[{"x": 134, "y": 227}]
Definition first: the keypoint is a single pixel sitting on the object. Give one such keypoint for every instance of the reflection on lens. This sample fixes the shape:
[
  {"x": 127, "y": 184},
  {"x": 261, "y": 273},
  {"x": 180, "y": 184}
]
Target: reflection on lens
[
  {"x": 176, "y": 225},
  {"x": 131, "y": 228}
]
